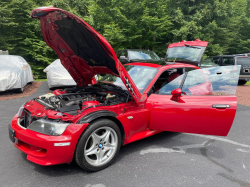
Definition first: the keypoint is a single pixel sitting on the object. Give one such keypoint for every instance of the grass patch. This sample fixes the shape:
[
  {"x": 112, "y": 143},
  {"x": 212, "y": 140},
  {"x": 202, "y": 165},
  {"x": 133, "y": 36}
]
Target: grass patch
[
  {"x": 40, "y": 80},
  {"x": 248, "y": 83}
]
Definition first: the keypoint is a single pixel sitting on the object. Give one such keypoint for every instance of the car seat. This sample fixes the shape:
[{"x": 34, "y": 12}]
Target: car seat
[{"x": 171, "y": 78}]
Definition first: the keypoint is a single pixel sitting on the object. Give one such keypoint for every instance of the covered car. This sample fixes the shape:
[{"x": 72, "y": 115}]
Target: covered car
[
  {"x": 89, "y": 123},
  {"x": 58, "y": 76},
  {"x": 15, "y": 73}
]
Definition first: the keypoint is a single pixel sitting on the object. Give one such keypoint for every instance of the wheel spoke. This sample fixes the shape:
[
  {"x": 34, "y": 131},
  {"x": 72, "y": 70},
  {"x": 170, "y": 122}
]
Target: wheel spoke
[
  {"x": 106, "y": 136},
  {"x": 99, "y": 156},
  {"x": 96, "y": 138},
  {"x": 109, "y": 146},
  {"x": 91, "y": 151}
]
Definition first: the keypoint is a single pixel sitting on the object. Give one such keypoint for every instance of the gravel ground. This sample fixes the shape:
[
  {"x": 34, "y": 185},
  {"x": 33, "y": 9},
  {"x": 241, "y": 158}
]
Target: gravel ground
[
  {"x": 29, "y": 89},
  {"x": 243, "y": 95}
]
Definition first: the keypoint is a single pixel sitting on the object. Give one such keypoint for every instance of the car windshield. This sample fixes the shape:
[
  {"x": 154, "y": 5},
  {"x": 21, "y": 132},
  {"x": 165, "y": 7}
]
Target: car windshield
[
  {"x": 243, "y": 61},
  {"x": 184, "y": 53},
  {"x": 141, "y": 76},
  {"x": 143, "y": 55}
]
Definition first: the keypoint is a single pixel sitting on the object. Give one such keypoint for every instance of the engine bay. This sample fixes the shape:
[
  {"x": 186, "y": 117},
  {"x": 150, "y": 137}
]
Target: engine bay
[{"x": 77, "y": 99}]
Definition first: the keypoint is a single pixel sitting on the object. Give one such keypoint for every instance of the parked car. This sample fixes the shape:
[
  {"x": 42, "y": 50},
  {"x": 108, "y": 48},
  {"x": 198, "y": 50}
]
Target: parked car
[
  {"x": 138, "y": 55},
  {"x": 58, "y": 76},
  {"x": 191, "y": 52},
  {"x": 206, "y": 64},
  {"x": 15, "y": 73},
  {"x": 243, "y": 54},
  {"x": 228, "y": 60},
  {"x": 188, "y": 52},
  {"x": 89, "y": 123}
]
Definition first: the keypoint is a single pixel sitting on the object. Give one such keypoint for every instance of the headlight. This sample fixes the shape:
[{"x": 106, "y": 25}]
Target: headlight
[
  {"x": 48, "y": 127},
  {"x": 20, "y": 111}
]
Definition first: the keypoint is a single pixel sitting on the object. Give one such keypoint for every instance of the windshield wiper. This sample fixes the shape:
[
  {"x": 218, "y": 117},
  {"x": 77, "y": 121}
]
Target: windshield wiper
[{"x": 192, "y": 46}]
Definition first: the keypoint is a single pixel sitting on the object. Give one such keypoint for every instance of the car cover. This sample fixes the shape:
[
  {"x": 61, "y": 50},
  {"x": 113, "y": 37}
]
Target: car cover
[
  {"x": 57, "y": 75},
  {"x": 15, "y": 72}
]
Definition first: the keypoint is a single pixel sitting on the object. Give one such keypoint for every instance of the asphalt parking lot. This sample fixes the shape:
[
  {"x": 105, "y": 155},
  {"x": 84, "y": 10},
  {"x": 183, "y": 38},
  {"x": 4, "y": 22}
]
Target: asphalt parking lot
[{"x": 166, "y": 159}]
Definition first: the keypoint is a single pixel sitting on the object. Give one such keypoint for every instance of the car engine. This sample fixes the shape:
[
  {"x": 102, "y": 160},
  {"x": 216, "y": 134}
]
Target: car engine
[{"x": 76, "y": 99}]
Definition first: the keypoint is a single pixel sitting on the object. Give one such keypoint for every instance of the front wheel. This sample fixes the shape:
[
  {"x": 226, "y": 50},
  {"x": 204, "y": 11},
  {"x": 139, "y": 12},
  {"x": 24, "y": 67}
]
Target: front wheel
[{"x": 99, "y": 145}]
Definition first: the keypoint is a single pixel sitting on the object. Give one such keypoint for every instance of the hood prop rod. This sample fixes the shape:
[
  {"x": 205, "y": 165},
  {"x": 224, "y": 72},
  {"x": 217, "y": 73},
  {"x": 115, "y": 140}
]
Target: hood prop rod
[{"x": 125, "y": 104}]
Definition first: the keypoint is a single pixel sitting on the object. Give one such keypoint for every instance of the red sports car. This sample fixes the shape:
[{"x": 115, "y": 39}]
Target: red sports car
[{"x": 89, "y": 123}]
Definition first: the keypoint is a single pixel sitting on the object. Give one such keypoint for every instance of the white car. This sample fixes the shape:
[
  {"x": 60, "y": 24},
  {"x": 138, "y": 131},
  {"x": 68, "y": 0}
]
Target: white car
[
  {"x": 58, "y": 76},
  {"x": 15, "y": 73}
]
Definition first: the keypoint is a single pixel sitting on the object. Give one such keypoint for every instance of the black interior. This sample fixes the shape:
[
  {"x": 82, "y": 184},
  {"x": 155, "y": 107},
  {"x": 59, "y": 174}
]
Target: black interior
[
  {"x": 162, "y": 78},
  {"x": 84, "y": 44}
]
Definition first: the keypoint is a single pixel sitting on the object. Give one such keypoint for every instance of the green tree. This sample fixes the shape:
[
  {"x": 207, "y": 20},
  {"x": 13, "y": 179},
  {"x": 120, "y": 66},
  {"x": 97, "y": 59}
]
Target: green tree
[
  {"x": 143, "y": 24},
  {"x": 217, "y": 21},
  {"x": 21, "y": 35}
]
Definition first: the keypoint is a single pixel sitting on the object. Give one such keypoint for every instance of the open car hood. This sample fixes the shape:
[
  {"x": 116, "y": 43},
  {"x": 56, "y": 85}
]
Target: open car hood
[
  {"x": 82, "y": 50},
  {"x": 188, "y": 52}
]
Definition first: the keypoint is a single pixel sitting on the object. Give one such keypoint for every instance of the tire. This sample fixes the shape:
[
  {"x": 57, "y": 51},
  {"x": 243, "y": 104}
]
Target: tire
[
  {"x": 98, "y": 146},
  {"x": 242, "y": 82},
  {"x": 19, "y": 90}
]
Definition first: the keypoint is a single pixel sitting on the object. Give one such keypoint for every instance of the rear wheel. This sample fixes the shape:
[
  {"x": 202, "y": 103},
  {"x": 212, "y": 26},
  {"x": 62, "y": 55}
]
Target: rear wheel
[
  {"x": 98, "y": 146},
  {"x": 242, "y": 82}
]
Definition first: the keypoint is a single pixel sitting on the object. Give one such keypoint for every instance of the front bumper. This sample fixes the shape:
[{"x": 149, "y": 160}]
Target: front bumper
[{"x": 44, "y": 149}]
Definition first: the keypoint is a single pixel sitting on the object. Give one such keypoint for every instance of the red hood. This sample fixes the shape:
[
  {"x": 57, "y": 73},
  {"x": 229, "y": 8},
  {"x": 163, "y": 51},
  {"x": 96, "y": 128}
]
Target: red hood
[
  {"x": 193, "y": 57},
  {"x": 82, "y": 50}
]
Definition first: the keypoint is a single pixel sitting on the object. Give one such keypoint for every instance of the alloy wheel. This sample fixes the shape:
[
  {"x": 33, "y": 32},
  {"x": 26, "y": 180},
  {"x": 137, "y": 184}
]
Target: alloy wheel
[{"x": 101, "y": 146}]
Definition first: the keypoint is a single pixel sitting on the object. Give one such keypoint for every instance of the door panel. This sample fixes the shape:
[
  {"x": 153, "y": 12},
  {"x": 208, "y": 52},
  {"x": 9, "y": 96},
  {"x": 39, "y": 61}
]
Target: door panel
[
  {"x": 207, "y": 105},
  {"x": 192, "y": 114}
]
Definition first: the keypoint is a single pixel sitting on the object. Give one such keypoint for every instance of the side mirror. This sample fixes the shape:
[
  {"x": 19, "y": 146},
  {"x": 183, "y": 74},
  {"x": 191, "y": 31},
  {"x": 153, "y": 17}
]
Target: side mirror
[
  {"x": 123, "y": 59},
  {"x": 176, "y": 92},
  {"x": 176, "y": 95}
]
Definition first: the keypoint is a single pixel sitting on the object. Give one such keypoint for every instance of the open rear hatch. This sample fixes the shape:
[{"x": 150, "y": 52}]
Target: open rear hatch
[
  {"x": 82, "y": 50},
  {"x": 188, "y": 52}
]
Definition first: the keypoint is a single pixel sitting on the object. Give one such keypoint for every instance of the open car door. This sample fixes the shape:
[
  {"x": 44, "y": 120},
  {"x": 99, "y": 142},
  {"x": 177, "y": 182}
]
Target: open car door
[
  {"x": 82, "y": 50},
  {"x": 201, "y": 101}
]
